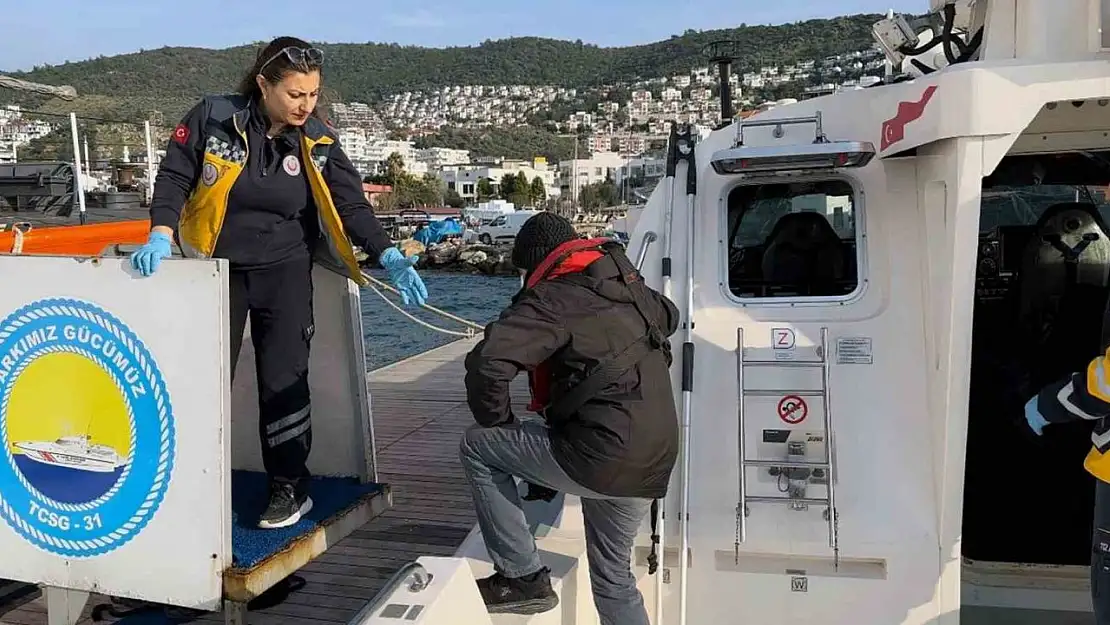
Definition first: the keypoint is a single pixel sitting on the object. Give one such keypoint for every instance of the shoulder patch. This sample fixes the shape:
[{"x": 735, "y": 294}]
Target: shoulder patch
[{"x": 181, "y": 134}]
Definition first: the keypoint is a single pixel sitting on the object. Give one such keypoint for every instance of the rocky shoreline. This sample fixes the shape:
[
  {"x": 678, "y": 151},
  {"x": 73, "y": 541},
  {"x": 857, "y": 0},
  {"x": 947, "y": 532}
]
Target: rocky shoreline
[
  {"x": 490, "y": 260},
  {"x": 457, "y": 257}
]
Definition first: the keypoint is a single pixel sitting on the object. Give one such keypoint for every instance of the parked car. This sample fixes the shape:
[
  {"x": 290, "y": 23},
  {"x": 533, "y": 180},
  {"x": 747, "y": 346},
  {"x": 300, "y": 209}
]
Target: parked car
[{"x": 504, "y": 228}]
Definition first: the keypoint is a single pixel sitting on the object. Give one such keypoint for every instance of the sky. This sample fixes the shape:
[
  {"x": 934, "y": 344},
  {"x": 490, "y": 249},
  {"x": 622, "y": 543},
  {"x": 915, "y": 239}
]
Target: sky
[{"x": 40, "y": 33}]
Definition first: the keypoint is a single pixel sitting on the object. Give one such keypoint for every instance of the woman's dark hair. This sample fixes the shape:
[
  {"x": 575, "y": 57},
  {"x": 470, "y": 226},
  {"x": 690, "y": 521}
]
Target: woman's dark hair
[{"x": 277, "y": 65}]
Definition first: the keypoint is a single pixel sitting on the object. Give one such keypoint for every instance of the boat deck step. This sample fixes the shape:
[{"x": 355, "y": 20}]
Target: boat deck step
[
  {"x": 264, "y": 557},
  {"x": 564, "y": 557}
]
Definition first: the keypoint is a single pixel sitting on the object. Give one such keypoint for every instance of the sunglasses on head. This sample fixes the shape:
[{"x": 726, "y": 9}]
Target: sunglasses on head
[{"x": 303, "y": 58}]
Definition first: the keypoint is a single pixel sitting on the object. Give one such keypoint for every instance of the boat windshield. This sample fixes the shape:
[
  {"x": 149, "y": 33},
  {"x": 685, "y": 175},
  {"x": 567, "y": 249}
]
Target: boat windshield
[{"x": 1023, "y": 205}]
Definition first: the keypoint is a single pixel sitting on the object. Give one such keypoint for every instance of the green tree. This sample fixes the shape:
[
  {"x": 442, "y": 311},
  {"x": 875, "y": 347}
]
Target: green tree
[
  {"x": 453, "y": 199},
  {"x": 395, "y": 169},
  {"x": 432, "y": 190},
  {"x": 410, "y": 191},
  {"x": 598, "y": 195},
  {"x": 522, "y": 190},
  {"x": 538, "y": 191},
  {"x": 485, "y": 190},
  {"x": 507, "y": 186}
]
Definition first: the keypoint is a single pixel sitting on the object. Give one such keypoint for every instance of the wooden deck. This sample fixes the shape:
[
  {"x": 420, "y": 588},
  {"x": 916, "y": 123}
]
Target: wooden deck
[{"x": 419, "y": 408}]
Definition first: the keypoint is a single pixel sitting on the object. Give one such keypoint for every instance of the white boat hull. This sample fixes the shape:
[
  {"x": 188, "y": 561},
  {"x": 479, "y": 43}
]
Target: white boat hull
[{"x": 66, "y": 459}]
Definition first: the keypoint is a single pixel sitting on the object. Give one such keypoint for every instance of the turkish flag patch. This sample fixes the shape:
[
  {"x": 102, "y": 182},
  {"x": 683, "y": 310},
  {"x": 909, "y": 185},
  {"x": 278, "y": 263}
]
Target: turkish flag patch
[{"x": 181, "y": 134}]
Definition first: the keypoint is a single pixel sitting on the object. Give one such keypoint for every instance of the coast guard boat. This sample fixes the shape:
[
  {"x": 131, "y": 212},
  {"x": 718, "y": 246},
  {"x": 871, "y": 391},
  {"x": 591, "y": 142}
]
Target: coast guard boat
[
  {"x": 873, "y": 283},
  {"x": 73, "y": 452}
]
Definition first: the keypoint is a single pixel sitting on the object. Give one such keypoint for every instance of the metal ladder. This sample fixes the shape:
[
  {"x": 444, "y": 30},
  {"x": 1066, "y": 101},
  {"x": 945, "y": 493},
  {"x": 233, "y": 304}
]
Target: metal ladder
[{"x": 829, "y": 466}]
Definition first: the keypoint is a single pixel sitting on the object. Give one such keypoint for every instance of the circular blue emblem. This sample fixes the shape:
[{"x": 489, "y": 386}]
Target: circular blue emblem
[{"x": 86, "y": 429}]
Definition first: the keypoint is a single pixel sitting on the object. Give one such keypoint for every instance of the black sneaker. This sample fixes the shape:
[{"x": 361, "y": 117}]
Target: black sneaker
[
  {"x": 288, "y": 503},
  {"x": 539, "y": 493},
  {"x": 531, "y": 594}
]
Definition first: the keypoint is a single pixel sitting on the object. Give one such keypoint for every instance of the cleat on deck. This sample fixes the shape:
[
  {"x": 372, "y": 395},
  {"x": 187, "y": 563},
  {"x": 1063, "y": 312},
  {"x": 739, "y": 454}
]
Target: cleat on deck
[
  {"x": 522, "y": 595},
  {"x": 288, "y": 504}
]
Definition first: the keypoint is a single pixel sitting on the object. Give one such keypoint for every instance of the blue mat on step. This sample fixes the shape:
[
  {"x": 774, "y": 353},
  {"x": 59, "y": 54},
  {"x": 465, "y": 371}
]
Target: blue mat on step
[{"x": 249, "y": 496}]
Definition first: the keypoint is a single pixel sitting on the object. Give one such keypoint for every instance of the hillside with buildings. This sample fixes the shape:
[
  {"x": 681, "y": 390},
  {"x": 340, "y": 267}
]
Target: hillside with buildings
[
  {"x": 369, "y": 72},
  {"x": 586, "y": 125}
]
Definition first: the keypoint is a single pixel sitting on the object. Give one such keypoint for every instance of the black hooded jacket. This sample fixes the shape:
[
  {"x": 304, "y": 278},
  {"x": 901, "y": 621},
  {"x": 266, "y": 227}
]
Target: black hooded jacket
[{"x": 624, "y": 441}]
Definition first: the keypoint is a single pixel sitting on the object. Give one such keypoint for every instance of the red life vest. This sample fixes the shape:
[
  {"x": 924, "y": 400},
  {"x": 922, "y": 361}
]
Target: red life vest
[{"x": 570, "y": 257}]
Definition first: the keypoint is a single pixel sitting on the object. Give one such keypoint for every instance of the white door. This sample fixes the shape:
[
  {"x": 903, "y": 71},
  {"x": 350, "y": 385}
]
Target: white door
[{"x": 807, "y": 395}]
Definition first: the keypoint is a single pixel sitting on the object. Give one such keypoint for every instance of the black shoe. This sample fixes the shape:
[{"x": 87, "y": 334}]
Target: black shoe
[
  {"x": 288, "y": 503},
  {"x": 531, "y": 594},
  {"x": 539, "y": 493}
]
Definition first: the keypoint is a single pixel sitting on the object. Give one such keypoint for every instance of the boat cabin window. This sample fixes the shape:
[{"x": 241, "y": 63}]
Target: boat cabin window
[{"x": 795, "y": 239}]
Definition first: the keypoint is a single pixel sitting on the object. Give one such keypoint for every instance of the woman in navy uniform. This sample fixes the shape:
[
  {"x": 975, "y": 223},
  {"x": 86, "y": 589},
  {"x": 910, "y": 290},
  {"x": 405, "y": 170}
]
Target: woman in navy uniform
[{"x": 259, "y": 179}]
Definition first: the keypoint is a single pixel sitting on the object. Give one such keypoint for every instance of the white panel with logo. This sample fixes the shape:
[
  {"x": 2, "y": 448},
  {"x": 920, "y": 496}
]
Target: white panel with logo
[{"x": 113, "y": 424}]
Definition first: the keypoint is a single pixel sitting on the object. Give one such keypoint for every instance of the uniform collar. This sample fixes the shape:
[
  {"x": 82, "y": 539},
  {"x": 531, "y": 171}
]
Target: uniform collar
[
  {"x": 315, "y": 129},
  {"x": 258, "y": 123}
]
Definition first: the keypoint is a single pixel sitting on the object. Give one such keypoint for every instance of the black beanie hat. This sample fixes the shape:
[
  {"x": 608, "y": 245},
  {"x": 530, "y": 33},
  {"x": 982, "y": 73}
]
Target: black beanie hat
[{"x": 538, "y": 237}]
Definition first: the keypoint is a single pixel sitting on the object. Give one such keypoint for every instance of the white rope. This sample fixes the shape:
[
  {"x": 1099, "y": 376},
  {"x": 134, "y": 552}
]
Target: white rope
[
  {"x": 469, "y": 332},
  {"x": 442, "y": 313},
  {"x": 471, "y": 327}
]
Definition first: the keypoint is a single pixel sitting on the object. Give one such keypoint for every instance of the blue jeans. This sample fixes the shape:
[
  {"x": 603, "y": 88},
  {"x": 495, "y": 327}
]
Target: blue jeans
[{"x": 491, "y": 457}]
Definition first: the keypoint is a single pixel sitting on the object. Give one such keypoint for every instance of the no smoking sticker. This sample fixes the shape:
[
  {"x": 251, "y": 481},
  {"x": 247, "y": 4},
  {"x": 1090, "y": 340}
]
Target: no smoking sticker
[{"x": 792, "y": 409}]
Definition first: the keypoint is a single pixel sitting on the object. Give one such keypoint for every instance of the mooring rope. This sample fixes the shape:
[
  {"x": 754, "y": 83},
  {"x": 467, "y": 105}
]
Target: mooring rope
[{"x": 471, "y": 327}]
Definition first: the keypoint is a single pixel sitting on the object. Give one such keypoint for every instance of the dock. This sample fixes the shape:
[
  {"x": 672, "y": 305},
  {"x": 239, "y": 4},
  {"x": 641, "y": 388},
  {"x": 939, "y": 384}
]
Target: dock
[{"x": 419, "y": 412}]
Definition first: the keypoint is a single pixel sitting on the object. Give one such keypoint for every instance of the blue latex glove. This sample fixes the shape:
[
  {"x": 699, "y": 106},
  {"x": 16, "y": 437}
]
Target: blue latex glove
[
  {"x": 404, "y": 277},
  {"x": 146, "y": 259},
  {"x": 1033, "y": 417}
]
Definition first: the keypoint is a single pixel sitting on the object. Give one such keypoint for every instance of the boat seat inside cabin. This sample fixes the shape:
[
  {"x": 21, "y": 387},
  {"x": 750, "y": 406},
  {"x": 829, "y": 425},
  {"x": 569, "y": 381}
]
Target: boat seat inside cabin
[{"x": 804, "y": 254}]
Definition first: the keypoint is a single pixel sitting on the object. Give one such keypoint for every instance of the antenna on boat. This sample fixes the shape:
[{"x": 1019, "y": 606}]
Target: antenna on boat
[
  {"x": 722, "y": 53},
  {"x": 684, "y": 146},
  {"x": 659, "y": 512},
  {"x": 909, "y": 44}
]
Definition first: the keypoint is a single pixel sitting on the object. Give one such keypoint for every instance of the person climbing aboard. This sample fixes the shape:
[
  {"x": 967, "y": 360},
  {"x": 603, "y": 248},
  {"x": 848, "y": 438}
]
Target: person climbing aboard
[
  {"x": 258, "y": 178},
  {"x": 594, "y": 339},
  {"x": 1085, "y": 396}
]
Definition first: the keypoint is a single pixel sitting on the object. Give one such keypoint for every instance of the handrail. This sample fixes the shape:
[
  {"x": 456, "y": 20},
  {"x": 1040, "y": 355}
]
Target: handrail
[
  {"x": 649, "y": 238},
  {"x": 421, "y": 580},
  {"x": 742, "y": 505},
  {"x": 830, "y": 443}
]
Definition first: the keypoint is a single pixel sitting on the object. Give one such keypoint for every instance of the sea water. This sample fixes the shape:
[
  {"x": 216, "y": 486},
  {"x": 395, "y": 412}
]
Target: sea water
[{"x": 390, "y": 336}]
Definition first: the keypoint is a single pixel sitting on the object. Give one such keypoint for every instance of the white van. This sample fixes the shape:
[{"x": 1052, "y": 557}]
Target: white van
[{"x": 504, "y": 228}]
